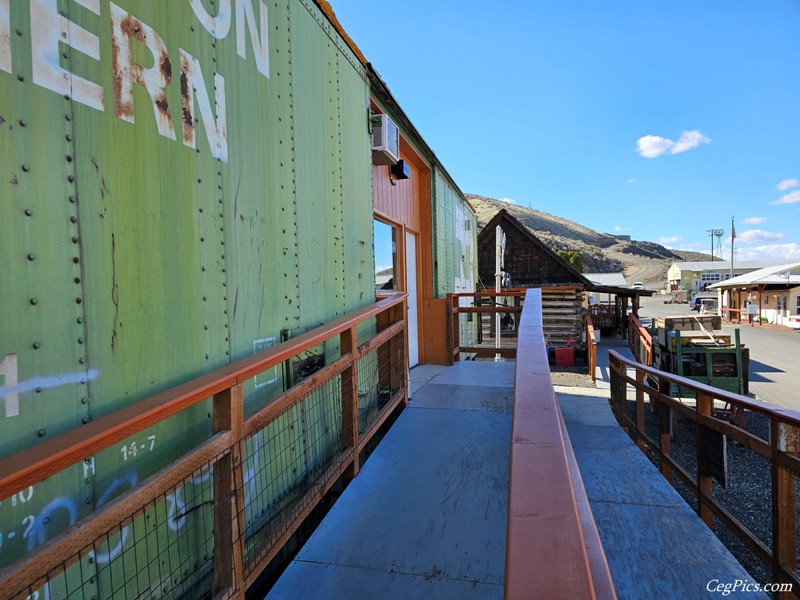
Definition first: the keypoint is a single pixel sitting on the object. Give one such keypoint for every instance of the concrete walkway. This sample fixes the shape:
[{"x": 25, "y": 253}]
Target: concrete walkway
[
  {"x": 655, "y": 544},
  {"x": 426, "y": 517}
]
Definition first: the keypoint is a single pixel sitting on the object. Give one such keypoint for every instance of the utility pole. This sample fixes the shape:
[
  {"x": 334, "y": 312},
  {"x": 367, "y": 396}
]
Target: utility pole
[
  {"x": 733, "y": 237},
  {"x": 711, "y": 234}
]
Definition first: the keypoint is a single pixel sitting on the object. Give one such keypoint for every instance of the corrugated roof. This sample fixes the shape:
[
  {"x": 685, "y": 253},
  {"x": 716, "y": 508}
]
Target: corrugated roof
[
  {"x": 777, "y": 274},
  {"x": 725, "y": 265},
  {"x": 613, "y": 279}
]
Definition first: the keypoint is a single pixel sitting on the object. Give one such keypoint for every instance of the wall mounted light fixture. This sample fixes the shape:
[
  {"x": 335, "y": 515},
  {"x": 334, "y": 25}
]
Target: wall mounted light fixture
[{"x": 399, "y": 170}]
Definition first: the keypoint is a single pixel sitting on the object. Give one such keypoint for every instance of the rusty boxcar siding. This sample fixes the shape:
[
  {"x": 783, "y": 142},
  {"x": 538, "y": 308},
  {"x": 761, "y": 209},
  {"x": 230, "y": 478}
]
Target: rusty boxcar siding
[{"x": 182, "y": 183}]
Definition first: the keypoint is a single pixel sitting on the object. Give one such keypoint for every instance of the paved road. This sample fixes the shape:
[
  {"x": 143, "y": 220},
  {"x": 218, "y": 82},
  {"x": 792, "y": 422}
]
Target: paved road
[{"x": 774, "y": 355}]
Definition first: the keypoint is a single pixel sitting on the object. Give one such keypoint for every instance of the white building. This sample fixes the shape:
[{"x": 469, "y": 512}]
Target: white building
[
  {"x": 697, "y": 276},
  {"x": 774, "y": 290}
]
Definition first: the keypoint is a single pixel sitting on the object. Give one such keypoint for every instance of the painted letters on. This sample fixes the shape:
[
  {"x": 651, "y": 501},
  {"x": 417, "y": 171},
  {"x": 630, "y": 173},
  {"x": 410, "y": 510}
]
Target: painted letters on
[
  {"x": 8, "y": 369},
  {"x": 244, "y": 13},
  {"x": 218, "y": 26},
  {"x": 48, "y": 28},
  {"x": 191, "y": 82},
  {"x": 126, "y": 72}
]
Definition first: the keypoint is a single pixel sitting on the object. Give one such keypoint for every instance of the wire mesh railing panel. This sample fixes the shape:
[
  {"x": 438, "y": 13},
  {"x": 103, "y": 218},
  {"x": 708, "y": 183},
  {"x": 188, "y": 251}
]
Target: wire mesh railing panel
[
  {"x": 379, "y": 378},
  {"x": 162, "y": 550},
  {"x": 284, "y": 461}
]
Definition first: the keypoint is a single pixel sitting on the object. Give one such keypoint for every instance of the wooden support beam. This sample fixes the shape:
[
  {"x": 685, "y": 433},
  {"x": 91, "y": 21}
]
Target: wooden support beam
[
  {"x": 783, "y": 439},
  {"x": 703, "y": 447},
  {"x": 348, "y": 342},
  {"x": 639, "y": 409},
  {"x": 665, "y": 426},
  {"x": 228, "y": 496}
]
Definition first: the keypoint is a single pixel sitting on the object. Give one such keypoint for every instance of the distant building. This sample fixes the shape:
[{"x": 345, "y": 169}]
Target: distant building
[
  {"x": 697, "y": 276},
  {"x": 530, "y": 263},
  {"x": 606, "y": 280},
  {"x": 774, "y": 290}
]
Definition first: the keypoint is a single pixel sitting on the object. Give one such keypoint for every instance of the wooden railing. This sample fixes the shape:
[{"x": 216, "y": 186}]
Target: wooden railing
[
  {"x": 732, "y": 315},
  {"x": 604, "y": 315},
  {"x": 484, "y": 305},
  {"x": 207, "y": 524},
  {"x": 591, "y": 348},
  {"x": 779, "y": 448},
  {"x": 553, "y": 549},
  {"x": 640, "y": 341}
]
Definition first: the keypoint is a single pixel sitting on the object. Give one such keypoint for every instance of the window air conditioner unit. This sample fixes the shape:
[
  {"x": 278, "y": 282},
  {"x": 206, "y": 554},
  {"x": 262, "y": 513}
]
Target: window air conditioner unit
[{"x": 385, "y": 141}]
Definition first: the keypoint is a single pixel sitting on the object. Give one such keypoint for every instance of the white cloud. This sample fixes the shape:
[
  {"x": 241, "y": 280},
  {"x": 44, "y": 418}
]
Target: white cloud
[
  {"x": 789, "y": 198},
  {"x": 617, "y": 228},
  {"x": 689, "y": 140},
  {"x": 758, "y": 236},
  {"x": 787, "y": 184},
  {"x": 669, "y": 239},
  {"x": 509, "y": 200},
  {"x": 784, "y": 252},
  {"x": 754, "y": 220},
  {"x": 689, "y": 246},
  {"x": 631, "y": 181},
  {"x": 651, "y": 146}
]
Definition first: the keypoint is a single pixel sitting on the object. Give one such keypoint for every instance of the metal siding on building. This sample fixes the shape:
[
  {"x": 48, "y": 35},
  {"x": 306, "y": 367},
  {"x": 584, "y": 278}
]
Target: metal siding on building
[
  {"x": 152, "y": 262},
  {"x": 454, "y": 249}
]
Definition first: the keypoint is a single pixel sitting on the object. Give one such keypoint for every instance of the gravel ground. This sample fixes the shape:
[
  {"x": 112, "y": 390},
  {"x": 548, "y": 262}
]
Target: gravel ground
[
  {"x": 747, "y": 496},
  {"x": 571, "y": 376}
]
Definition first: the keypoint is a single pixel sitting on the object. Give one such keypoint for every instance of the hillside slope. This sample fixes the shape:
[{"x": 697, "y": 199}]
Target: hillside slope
[{"x": 600, "y": 252}]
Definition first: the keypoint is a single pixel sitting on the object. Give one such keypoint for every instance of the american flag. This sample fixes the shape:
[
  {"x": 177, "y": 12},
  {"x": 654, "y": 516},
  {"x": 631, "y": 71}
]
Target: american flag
[{"x": 733, "y": 231}]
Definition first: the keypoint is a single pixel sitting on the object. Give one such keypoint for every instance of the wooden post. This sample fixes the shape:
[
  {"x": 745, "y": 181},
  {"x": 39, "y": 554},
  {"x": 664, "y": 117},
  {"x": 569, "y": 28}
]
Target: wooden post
[
  {"x": 783, "y": 439},
  {"x": 451, "y": 342},
  {"x": 228, "y": 495},
  {"x": 400, "y": 367},
  {"x": 664, "y": 425},
  {"x": 703, "y": 446},
  {"x": 639, "y": 409},
  {"x": 348, "y": 343},
  {"x": 455, "y": 326}
]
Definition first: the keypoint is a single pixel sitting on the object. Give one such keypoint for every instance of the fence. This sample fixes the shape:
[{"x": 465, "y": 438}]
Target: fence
[
  {"x": 729, "y": 482},
  {"x": 640, "y": 341},
  {"x": 209, "y": 523},
  {"x": 485, "y": 305},
  {"x": 591, "y": 348}
]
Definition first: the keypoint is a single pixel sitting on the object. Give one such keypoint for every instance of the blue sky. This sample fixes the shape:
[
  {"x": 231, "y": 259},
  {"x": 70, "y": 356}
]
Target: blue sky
[{"x": 659, "y": 120}]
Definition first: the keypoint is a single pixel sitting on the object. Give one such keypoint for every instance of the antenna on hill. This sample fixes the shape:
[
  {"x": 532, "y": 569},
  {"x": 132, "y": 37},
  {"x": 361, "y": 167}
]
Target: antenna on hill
[{"x": 715, "y": 233}]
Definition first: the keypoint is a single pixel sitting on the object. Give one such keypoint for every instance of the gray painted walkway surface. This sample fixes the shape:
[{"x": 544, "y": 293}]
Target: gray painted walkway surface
[
  {"x": 426, "y": 517},
  {"x": 655, "y": 544}
]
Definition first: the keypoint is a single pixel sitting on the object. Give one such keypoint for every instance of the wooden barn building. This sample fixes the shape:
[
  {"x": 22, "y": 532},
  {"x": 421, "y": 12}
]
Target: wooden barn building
[{"x": 530, "y": 263}]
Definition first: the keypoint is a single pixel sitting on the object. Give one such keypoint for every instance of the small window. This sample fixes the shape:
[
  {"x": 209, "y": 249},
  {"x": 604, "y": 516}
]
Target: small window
[{"x": 385, "y": 256}]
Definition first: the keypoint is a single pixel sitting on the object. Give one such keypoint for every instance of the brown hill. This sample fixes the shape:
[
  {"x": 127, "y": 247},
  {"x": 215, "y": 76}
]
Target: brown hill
[{"x": 600, "y": 252}]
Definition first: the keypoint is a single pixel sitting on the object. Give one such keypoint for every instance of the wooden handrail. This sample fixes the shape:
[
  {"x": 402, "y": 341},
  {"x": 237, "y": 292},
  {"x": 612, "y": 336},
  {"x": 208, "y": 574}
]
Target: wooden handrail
[
  {"x": 780, "y": 449},
  {"x": 544, "y": 518},
  {"x": 232, "y": 573},
  {"x": 591, "y": 348},
  {"x": 639, "y": 335},
  {"x": 786, "y": 414},
  {"x": 33, "y": 464}
]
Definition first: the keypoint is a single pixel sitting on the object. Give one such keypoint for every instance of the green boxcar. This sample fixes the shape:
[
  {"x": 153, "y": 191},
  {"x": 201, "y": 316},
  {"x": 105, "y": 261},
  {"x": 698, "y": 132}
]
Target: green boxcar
[
  {"x": 183, "y": 184},
  {"x": 455, "y": 250}
]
